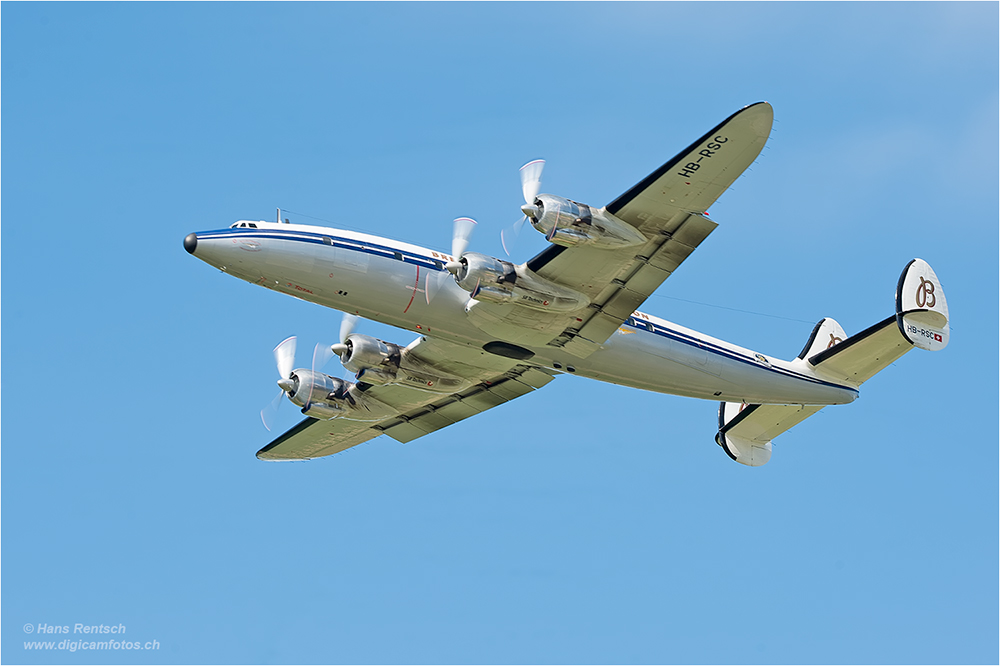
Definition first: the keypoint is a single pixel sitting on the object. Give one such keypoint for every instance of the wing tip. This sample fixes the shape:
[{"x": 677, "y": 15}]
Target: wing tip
[{"x": 264, "y": 455}]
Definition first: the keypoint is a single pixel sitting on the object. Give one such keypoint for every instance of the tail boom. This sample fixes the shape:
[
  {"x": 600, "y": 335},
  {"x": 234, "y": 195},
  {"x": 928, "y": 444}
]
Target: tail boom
[{"x": 921, "y": 320}]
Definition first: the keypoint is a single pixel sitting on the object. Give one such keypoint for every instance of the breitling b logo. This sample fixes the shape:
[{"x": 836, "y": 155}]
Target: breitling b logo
[
  {"x": 925, "y": 294},
  {"x": 834, "y": 340}
]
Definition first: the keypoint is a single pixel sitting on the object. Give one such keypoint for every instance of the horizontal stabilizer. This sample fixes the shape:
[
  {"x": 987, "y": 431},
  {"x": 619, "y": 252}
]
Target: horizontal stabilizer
[
  {"x": 861, "y": 356},
  {"x": 746, "y": 431},
  {"x": 921, "y": 320}
]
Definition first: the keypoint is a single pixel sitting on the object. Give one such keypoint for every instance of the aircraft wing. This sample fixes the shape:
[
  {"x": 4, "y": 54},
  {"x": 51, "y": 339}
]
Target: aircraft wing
[
  {"x": 698, "y": 175},
  {"x": 668, "y": 206},
  {"x": 493, "y": 380}
]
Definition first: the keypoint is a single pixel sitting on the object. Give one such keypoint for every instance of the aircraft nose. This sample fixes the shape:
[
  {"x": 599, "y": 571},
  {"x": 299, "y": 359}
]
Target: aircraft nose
[{"x": 191, "y": 242}]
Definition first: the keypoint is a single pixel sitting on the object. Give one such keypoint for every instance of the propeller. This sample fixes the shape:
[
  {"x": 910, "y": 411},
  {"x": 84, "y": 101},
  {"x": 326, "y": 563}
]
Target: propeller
[
  {"x": 531, "y": 183},
  {"x": 322, "y": 353},
  {"x": 347, "y": 325},
  {"x": 461, "y": 234},
  {"x": 284, "y": 358},
  {"x": 432, "y": 284}
]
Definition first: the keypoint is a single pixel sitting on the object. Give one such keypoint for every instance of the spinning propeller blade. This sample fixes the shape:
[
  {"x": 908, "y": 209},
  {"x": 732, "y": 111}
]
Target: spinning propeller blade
[
  {"x": 531, "y": 180},
  {"x": 461, "y": 234},
  {"x": 509, "y": 235},
  {"x": 322, "y": 353},
  {"x": 347, "y": 325},
  {"x": 531, "y": 183},
  {"x": 268, "y": 414},
  {"x": 284, "y": 358},
  {"x": 432, "y": 284}
]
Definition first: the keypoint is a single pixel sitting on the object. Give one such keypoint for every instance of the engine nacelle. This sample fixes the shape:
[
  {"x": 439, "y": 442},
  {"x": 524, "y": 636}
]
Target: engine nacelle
[
  {"x": 493, "y": 276},
  {"x": 366, "y": 353},
  {"x": 378, "y": 362},
  {"x": 324, "y": 397},
  {"x": 569, "y": 223},
  {"x": 497, "y": 281},
  {"x": 310, "y": 387}
]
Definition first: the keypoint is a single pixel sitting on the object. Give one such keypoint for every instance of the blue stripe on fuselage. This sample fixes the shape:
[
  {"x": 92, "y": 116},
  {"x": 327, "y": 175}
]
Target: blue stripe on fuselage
[
  {"x": 388, "y": 251},
  {"x": 385, "y": 251},
  {"x": 691, "y": 341}
]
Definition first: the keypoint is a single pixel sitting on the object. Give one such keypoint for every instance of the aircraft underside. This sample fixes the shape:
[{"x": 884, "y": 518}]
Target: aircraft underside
[{"x": 491, "y": 331}]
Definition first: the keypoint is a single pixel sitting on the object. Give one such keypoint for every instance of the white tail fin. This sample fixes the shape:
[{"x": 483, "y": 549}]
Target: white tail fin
[
  {"x": 826, "y": 334},
  {"x": 921, "y": 307}
]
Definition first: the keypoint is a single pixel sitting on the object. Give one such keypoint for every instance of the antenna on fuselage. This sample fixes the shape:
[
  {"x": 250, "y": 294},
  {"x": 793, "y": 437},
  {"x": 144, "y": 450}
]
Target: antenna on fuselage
[{"x": 279, "y": 218}]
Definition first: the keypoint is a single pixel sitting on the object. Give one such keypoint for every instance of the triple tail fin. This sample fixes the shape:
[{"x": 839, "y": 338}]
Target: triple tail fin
[
  {"x": 921, "y": 320},
  {"x": 826, "y": 334}
]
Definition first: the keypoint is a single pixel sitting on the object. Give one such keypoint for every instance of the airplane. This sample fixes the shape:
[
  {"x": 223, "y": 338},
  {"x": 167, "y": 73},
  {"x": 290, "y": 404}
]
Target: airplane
[{"x": 490, "y": 331}]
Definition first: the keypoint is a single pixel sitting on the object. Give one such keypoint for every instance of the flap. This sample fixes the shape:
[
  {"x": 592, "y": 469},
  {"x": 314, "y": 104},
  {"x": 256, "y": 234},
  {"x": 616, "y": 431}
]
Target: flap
[{"x": 454, "y": 408}]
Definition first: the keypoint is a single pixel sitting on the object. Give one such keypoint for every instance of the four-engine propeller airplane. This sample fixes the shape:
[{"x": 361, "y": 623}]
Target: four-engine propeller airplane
[{"x": 491, "y": 331}]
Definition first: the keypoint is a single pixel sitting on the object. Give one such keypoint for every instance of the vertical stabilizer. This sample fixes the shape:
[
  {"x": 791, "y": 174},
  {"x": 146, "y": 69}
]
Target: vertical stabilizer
[
  {"x": 826, "y": 334},
  {"x": 921, "y": 308}
]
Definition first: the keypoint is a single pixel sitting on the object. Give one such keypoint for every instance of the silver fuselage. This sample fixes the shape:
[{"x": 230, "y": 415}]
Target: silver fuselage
[{"x": 407, "y": 286}]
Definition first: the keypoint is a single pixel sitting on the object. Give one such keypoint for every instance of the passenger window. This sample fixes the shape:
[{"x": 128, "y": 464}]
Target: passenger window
[
  {"x": 327, "y": 240},
  {"x": 398, "y": 256}
]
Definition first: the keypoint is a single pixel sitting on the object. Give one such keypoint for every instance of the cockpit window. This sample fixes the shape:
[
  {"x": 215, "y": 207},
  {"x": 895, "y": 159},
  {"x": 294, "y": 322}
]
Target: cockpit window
[{"x": 251, "y": 225}]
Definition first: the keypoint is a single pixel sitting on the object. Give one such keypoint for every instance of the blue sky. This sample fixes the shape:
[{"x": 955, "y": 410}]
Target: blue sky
[{"x": 590, "y": 523}]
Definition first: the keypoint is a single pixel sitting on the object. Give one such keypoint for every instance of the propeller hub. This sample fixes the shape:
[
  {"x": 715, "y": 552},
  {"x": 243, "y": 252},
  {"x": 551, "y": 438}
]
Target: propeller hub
[
  {"x": 287, "y": 384},
  {"x": 531, "y": 210}
]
